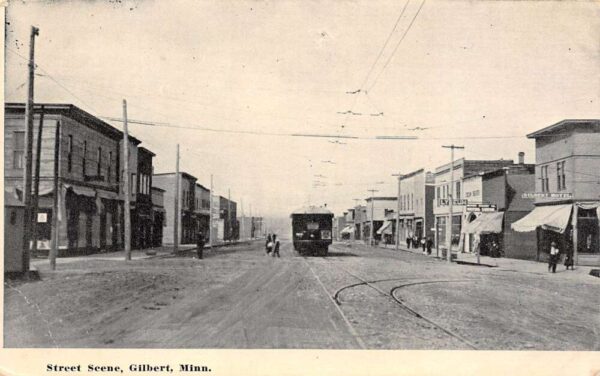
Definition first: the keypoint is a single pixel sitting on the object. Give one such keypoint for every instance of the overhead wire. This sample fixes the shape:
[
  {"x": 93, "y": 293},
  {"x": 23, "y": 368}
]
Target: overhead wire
[{"x": 397, "y": 46}]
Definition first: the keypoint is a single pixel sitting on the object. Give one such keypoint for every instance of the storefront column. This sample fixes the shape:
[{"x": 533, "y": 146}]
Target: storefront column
[{"x": 575, "y": 250}]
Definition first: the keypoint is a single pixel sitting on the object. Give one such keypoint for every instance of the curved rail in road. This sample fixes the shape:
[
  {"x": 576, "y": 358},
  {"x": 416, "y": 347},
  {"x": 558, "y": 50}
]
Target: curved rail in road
[{"x": 396, "y": 300}]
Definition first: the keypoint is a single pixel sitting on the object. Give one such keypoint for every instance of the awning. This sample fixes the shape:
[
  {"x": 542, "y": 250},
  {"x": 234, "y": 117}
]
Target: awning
[
  {"x": 82, "y": 191},
  {"x": 348, "y": 230},
  {"x": 386, "y": 228},
  {"x": 551, "y": 217},
  {"x": 108, "y": 195},
  {"x": 486, "y": 223}
]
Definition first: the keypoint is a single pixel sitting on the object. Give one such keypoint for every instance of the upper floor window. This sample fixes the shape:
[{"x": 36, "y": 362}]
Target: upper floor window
[
  {"x": 18, "y": 149},
  {"x": 561, "y": 180},
  {"x": 99, "y": 168},
  {"x": 457, "y": 193},
  {"x": 109, "y": 166},
  {"x": 70, "y": 153},
  {"x": 84, "y": 155},
  {"x": 544, "y": 179}
]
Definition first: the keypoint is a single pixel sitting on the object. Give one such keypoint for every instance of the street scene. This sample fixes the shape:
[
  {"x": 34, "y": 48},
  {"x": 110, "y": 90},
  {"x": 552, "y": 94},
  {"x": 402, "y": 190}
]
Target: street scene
[{"x": 414, "y": 175}]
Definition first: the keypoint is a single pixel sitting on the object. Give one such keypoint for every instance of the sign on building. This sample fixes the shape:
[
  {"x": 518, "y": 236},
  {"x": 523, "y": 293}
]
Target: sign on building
[
  {"x": 556, "y": 195},
  {"x": 481, "y": 208}
]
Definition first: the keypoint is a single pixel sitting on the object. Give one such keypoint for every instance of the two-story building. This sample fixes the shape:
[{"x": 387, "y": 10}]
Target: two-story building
[
  {"x": 567, "y": 190},
  {"x": 90, "y": 206},
  {"x": 495, "y": 201},
  {"x": 228, "y": 218},
  {"x": 141, "y": 213},
  {"x": 443, "y": 193},
  {"x": 376, "y": 210},
  {"x": 416, "y": 205},
  {"x": 158, "y": 216},
  {"x": 187, "y": 218},
  {"x": 360, "y": 216},
  {"x": 202, "y": 210}
]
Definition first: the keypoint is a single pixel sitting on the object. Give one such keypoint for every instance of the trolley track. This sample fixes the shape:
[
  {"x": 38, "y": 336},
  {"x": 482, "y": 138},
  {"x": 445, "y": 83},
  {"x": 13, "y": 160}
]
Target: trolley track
[{"x": 392, "y": 296}]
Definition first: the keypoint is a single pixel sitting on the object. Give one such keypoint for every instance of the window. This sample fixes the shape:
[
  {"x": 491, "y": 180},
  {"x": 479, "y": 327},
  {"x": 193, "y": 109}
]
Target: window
[
  {"x": 109, "y": 166},
  {"x": 19, "y": 149},
  {"x": 70, "y": 153},
  {"x": 457, "y": 190},
  {"x": 560, "y": 176},
  {"x": 84, "y": 154},
  {"x": 544, "y": 178},
  {"x": 439, "y": 193},
  {"x": 99, "y": 169},
  {"x": 132, "y": 185}
]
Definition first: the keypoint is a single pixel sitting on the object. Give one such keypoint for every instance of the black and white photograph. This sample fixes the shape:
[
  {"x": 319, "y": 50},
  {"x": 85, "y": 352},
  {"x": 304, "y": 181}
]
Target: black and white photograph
[{"x": 295, "y": 175}]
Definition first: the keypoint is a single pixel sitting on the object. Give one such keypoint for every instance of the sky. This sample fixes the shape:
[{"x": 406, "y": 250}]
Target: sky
[{"x": 476, "y": 74}]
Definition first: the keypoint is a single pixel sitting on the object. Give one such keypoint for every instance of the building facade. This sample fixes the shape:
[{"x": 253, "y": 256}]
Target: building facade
[
  {"x": 567, "y": 193},
  {"x": 158, "y": 216},
  {"x": 202, "y": 210},
  {"x": 90, "y": 205},
  {"x": 187, "y": 217},
  {"x": 376, "y": 210},
  {"x": 416, "y": 205},
  {"x": 443, "y": 193},
  {"x": 141, "y": 212}
]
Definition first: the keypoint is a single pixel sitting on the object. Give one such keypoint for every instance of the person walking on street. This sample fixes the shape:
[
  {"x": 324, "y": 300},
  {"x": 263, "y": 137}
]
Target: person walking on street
[
  {"x": 554, "y": 255},
  {"x": 424, "y": 244},
  {"x": 200, "y": 244},
  {"x": 275, "y": 246},
  {"x": 269, "y": 244},
  {"x": 415, "y": 242},
  {"x": 429, "y": 245},
  {"x": 569, "y": 258}
]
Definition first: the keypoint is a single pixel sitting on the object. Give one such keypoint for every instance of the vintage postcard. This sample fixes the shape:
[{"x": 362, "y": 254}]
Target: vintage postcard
[{"x": 352, "y": 187}]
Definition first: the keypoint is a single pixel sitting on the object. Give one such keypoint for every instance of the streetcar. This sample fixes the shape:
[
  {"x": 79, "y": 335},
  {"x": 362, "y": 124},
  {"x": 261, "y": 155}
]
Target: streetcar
[{"x": 311, "y": 230}]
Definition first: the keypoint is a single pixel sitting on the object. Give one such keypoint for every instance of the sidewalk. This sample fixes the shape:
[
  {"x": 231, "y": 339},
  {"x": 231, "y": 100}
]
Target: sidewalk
[
  {"x": 137, "y": 254},
  {"x": 517, "y": 265}
]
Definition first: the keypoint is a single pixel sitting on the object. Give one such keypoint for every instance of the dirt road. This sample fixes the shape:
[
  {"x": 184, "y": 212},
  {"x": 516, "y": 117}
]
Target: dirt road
[{"x": 240, "y": 298}]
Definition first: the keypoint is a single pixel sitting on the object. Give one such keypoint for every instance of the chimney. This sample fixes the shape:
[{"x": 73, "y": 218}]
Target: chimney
[{"x": 521, "y": 158}]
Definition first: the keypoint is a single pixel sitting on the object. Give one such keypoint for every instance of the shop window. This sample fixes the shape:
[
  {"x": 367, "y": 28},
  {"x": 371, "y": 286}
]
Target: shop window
[{"x": 18, "y": 150}]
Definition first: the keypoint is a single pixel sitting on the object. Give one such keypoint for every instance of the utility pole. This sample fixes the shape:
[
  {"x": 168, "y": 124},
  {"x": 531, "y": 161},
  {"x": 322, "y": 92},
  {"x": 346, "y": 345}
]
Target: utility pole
[
  {"x": 127, "y": 185},
  {"x": 451, "y": 193},
  {"x": 371, "y": 240},
  {"x": 176, "y": 206},
  {"x": 36, "y": 185},
  {"x": 28, "y": 154},
  {"x": 57, "y": 191},
  {"x": 229, "y": 223},
  {"x": 242, "y": 227},
  {"x": 399, "y": 175},
  {"x": 210, "y": 220},
  {"x": 356, "y": 201}
]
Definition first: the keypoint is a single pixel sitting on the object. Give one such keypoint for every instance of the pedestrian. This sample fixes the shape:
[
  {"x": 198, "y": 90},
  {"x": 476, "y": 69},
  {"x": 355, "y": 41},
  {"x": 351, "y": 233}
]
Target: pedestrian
[
  {"x": 269, "y": 244},
  {"x": 199, "y": 244},
  {"x": 554, "y": 255},
  {"x": 275, "y": 246},
  {"x": 409, "y": 240},
  {"x": 429, "y": 245},
  {"x": 415, "y": 242},
  {"x": 424, "y": 244},
  {"x": 569, "y": 258}
]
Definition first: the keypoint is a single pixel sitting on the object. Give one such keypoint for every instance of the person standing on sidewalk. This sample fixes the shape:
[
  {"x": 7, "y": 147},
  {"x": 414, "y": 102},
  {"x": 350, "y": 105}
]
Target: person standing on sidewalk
[
  {"x": 424, "y": 244},
  {"x": 275, "y": 246},
  {"x": 554, "y": 255},
  {"x": 569, "y": 258}
]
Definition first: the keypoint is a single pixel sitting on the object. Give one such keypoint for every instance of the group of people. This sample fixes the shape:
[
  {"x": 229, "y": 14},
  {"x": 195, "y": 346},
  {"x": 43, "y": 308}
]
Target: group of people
[
  {"x": 272, "y": 245},
  {"x": 555, "y": 258},
  {"x": 425, "y": 243}
]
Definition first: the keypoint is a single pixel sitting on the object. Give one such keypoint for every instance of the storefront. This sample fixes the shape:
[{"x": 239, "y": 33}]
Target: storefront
[
  {"x": 574, "y": 227},
  {"x": 483, "y": 233}
]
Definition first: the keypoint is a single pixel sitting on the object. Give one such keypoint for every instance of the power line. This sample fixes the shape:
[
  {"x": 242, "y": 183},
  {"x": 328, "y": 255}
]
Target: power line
[
  {"x": 397, "y": 45},
  {"x": 361, "y": 87}
]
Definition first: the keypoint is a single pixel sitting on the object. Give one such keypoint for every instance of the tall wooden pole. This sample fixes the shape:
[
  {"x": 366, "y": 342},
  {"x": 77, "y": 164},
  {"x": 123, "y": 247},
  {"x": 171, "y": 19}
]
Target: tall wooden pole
[
  {"x": 210, "y": 219},
  {"x": 29, "y": 151},
  {"x": 372, "y": 232},
  {"x": 55, "y": 208},
  {"x": 399, "y": 175},
  {"x": 35, "y": 200},
  {"x": 451, "y": 205},
  {"x": 176, "y": 214},
  {"x": 230, "y": 225},
  {"x": 127, "y": 190}
]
